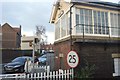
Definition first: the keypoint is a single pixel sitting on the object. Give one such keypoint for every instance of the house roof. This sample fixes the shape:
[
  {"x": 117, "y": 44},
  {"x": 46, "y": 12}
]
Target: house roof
[
  {"x": 17, "y": 29},
  {"x": 98, "y": 2},
  {"x": 14, "y": 29}
]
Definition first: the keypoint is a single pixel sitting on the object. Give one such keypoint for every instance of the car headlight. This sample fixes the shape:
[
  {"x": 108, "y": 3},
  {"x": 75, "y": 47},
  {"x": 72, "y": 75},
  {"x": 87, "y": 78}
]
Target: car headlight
[{"x": 17, "y": 65}]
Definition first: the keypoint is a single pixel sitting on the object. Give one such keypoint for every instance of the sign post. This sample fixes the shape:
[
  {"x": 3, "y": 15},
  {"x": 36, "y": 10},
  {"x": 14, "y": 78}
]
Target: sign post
[{"x": 72, "y": 60}]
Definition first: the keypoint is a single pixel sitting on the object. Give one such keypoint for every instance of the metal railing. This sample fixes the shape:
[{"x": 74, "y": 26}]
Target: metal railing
[{"x": 107, "y": 28}]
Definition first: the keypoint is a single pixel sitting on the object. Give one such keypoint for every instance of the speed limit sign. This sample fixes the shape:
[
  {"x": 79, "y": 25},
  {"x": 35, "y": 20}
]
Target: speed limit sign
[{"x": 72, "y": 59}]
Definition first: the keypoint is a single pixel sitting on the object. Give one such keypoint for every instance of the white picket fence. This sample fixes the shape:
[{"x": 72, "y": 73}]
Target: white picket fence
[{"x": 54, "y": 75}]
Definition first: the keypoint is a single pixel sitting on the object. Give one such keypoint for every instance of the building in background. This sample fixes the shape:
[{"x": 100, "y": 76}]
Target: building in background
[
  {"x": 11, "y": 36},
  {"x": 92, "y": 30},
  {"x": 10, "y": 41},
  {"x": 47, "y": 47},
  {"x": 27, "y": 42}
]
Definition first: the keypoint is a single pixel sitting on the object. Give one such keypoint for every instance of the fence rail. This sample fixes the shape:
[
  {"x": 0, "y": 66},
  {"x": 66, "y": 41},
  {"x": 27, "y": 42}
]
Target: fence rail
[{"x": 53, "y": 75}]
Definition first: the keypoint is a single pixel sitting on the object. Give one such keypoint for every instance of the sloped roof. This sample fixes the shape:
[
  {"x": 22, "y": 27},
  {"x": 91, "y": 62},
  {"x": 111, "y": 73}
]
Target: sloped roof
[
  {"x": 17, "y": 29},
  {"x": 14, "y": 29},
  {"x": 97, "y": 2}
]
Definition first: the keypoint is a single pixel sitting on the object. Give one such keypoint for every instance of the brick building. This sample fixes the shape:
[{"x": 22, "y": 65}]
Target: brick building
[
  {"x": 10, "y": 41},
  {"x": 11, "y": 37},
  {"x": 47, "y": 47},
  {"x": 92, "y": 30}
]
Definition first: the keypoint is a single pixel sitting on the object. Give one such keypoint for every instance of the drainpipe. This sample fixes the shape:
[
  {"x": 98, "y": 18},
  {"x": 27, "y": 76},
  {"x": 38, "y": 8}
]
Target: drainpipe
[{"x": 71, "y": 27}]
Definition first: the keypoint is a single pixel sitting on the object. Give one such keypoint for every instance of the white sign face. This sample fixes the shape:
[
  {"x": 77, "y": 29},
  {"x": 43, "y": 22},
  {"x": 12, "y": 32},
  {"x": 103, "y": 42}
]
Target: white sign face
[{"x": 72, "y": 59}]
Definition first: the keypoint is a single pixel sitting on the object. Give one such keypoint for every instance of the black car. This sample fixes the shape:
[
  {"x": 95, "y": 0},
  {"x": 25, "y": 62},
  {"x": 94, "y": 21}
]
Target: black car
[{"x": 16, "y": 65}]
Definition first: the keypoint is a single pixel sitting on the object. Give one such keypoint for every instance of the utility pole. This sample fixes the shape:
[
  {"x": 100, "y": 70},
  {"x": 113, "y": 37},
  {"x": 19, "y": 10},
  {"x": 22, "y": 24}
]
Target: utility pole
[
  {"x": 33, "y": 54},
  {"x": 35, "y": 41}
]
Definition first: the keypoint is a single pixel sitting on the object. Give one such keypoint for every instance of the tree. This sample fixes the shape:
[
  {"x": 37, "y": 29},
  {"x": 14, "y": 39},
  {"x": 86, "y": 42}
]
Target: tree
[
  {"x": 40, "y": 30},
  {"x": 41, "y": 33}
]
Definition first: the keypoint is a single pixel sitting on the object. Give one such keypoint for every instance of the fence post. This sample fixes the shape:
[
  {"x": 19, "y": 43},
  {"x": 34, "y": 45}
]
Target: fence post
[
  {"x": 31, "y": 76},
  {"x": 38, "y": 75},
  {"x": 48, "y": 69},
  {"x": 54, "y": 75},
  {"x": 72, "y": 73},
  {"x": 41, "y": 76},
  {"x": 51, "y": 75},
  {"x": 60, "y": 70},
  {"x": 61, "y": 73},
  {"x": 35, "y": 75},
  {"x": 44, "y": 76},
  {"x": 28, "y": 76},
  {"x": 65, "y": 74}
]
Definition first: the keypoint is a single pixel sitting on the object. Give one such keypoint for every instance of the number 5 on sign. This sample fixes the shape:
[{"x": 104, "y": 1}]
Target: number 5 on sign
[{"x": 72, "y": 59}]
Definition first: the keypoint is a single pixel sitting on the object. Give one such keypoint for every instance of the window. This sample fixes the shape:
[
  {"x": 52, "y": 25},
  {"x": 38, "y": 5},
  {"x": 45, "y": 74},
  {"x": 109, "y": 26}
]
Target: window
[
  {"x": 68, "y": 22},
  {"x": 106, "y": 23},
  {"x": 77, "y": 22},
  {"x": 116, "y": 67},
  {"x": 84, "y": 20},
  {"x": 63, "y": 26},
  {"x": 101, "y": 22},
  {"x": 114, "y": 24},
  {"x": 90, "y": 22},
  {"x": 95, "y": 22},
  {"x": 57, "y": 30}
]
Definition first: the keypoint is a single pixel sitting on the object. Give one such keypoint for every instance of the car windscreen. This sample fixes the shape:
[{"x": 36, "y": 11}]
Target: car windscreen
[
  {"x": 44, "y": 56},
  {"x": 19, "y": 59}
]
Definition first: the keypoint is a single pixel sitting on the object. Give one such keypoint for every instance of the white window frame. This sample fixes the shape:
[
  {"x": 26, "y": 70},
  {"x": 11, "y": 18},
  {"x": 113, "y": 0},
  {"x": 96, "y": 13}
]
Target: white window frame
[{"x": 116, "y": 67}]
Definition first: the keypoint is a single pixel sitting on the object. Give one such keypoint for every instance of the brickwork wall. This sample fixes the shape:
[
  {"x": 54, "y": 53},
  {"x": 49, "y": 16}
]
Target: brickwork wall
[
  {"x": 63, "y": 48},
  {"x": 99, "y": 54}
]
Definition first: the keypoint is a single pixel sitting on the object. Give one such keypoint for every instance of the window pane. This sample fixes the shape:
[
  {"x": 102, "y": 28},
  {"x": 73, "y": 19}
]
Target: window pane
[
  {"x": 77, "y": 24},
  {"x": 106, "y": 18},
  {"x": 99, "y": 23},
  {"x": 81, "y": 20},
  {"x": 90, "y": 22},
  {"x": 63, "y": 26},
  {"x": 114, "y": 24},
  {"x": 86, "y": 21},
  {"x": 95, "y": 22},
  {"x": 57, "y": 30},
  {"x": 103, "y": 22}
]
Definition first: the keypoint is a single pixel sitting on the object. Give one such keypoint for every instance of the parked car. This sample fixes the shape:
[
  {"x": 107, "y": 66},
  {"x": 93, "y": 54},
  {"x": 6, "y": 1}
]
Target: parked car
[
  {"x": 47, "y": 59},
  {"x": 42, "y": 59},
  {"x": 17, "y": 65}
]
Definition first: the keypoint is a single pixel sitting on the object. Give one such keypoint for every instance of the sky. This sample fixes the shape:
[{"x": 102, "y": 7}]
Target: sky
[{"x": 28, "y": 14}]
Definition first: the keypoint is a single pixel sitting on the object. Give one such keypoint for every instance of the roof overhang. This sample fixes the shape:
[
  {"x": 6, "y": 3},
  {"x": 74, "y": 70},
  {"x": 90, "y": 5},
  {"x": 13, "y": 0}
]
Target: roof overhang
[
  {"x": 101, "y": 4},
  {"x": 54, "y": 12}
]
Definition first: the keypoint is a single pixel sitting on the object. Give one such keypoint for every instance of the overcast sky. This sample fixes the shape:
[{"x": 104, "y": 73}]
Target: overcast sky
[{"x": 28, "y": 14}]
